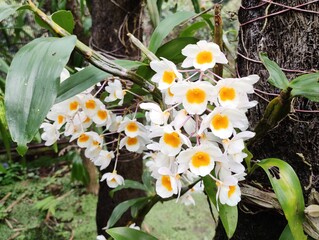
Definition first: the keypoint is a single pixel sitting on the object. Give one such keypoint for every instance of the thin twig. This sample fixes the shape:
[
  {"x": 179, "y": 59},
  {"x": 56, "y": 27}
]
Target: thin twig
[
  {"x": 252, "y": 7},
  {"x": 276, "y": 13},
  {"x": 292, "y": 8},
  {"x": 266, "y": 93},
  {"x": 4, "y": 199},
  {"x": 14, "y": 236},
  {"x": 283, "y": 69},
  {"x": 8, "y": 223},
  {"x": 8, "y": 209}
]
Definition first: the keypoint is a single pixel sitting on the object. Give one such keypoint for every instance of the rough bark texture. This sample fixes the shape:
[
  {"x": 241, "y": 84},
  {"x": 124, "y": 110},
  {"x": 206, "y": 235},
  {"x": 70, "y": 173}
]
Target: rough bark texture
[
  {"x": 291, "y": 39},
  {"x": 111, "y": 21}
]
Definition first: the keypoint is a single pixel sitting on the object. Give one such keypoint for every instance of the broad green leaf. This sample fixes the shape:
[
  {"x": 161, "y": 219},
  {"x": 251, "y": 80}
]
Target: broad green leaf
[
  {"x": 288, "y": 191},
  {"x": 129, "y": 184},
  {"x": 228, "y": 215},
  {"x": 7, "y": 10},
  {"x": 172, "y": 49},
  {"x": 79, "y": 82},
  {"x": 306, "y": 85},
  {"x": 165, "y": 27},
  {"x": 277, "y": 77},
  {"x": 32, "y": 85},
  {"x": 126, "y": 233},
  {"x": 192, "y": 29},
  {"x": 64, "y": 19},
  {"x": 3, "y": 66},
  {"x": 120, "y": 209},
  {"x": 87, "y": 78},
  {"x": 153, "y": 12},
  {"x": 286, "y": 234}
]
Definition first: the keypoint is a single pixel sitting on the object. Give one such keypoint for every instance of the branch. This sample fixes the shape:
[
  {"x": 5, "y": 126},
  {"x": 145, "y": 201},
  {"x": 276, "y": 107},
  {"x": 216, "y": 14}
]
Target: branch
[{"x": 99, "y": 60}]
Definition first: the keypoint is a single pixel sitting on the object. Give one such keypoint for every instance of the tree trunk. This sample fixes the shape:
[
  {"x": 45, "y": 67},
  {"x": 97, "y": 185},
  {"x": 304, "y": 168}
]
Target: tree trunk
[
  {"x": 291, "y": 39},
  {"x": 111, "y": 21}
]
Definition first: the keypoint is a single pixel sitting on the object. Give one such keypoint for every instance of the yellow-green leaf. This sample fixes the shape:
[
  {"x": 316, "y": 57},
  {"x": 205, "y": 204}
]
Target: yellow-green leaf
[
  {"x": 289, "y": 193},
  {"x": 277, "y": 77},
  {"x": 306, "y": 85},
  {"x": 126, "y": 233}
]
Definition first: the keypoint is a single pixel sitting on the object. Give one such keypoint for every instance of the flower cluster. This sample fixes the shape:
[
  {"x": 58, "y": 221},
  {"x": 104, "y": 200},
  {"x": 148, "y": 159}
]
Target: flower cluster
[{"x": 199, "y": 130}]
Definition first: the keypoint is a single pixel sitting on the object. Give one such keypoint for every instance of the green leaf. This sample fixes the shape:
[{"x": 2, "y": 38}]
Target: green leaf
[
  {"x": 286, "y": 234},
  {"x": 228, "y": 214},
  {"x": 2, "y": 169},
  {"x": 277, "y": 77},
  {"x": 192, "y": 29},
  {"x": 120, "y": 209},
  {"x": 47, "y": 204},
  {"x": 44, "y": 203},
  {"x": 138, "y": 206},
  {"x": 196, "y": 6},
  {"x": 210, "y": 188},
  {"x": 172, "y": 49},
  {"x": 128, "y": 184},
  {"x": 78, "y": 171},
  {"x": 207, "y": 18},
  {"x": 3, "y": 66},
  {"x": 128, "y": 64},
  {"x": 148, "y": 181},
  {"x": 32, "y": 85},
  {"x": 7, "y": 10},
  {"x": 306, "y": 85},
  {"x": 88, "y": 77},
  {"x": 248, "y": 159},
  {"x": 126, "y": 233},
  {"x": 6, "y": 139},
  {"x": 288, "y": 191},
  {"x": 153, "y": 12},
  {"x": 79, "y": 82},
  {"x": 229, "y": 217},
  {"x": 64, "y": 19},
  {"x": 165, "y": 27}
]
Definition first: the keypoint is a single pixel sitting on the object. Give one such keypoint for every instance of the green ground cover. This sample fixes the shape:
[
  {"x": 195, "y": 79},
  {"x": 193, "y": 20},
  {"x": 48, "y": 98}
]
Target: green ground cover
[{"x": 74, "y": 212}]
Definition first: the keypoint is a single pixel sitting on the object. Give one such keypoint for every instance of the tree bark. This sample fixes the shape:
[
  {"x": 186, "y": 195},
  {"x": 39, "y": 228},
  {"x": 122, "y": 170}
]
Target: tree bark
[
  {"x": 291, "y": 39},
  {"x": 111, "y": 21}
]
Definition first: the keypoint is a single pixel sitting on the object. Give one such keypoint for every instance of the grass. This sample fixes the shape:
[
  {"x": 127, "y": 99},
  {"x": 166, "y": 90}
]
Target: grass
[
  {"x": 74, "y": 216},
  {"x": 172, "y": 220}
]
